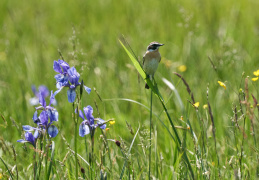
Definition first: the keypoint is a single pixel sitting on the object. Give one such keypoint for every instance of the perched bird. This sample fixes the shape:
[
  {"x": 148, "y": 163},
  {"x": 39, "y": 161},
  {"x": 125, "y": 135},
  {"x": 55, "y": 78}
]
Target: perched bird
[{"x": 151, "y": 60}]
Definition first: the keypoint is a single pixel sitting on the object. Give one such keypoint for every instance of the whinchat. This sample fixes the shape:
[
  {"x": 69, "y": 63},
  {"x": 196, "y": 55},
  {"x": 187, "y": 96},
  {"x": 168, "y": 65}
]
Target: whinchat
[{"x": 151, "y": 60}]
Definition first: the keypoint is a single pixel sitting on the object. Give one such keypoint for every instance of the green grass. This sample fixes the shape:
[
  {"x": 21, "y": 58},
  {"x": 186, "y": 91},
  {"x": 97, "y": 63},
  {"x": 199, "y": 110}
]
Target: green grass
[{"x": 86, "y": 33}]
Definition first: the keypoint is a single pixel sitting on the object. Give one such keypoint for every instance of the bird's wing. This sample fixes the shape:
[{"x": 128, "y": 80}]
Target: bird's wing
[{"x": 144, "y": 59}]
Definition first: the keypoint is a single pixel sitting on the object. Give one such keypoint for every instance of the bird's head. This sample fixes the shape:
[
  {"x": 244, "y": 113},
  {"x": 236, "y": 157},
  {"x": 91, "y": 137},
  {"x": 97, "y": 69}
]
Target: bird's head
[{"x": 153, "y": 46}]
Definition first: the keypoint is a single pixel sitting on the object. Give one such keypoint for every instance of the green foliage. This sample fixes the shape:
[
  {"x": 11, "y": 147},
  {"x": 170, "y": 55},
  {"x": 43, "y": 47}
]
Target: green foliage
[{"x": 214, "y": 40}]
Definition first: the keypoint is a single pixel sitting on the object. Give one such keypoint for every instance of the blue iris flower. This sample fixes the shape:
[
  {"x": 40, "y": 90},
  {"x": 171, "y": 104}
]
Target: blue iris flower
[
  {"x": 67, "y": 77},
  {"x": 47, "y": 116},
  {"x": 88, "y": 125},
  {"x": 28, "y": 136},
  {"x": 44, "y": 91}
]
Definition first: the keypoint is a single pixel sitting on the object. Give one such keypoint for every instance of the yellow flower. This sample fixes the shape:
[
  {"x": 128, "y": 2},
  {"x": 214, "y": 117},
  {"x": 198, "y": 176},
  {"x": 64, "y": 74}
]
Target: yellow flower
[
  {"x": 196, "y": 105},
  {"x": 188, "y": 128},
  {"x": 167, "y": 63},
  {"x": 107, "y": 129},
  {"x": 256, "y": 73},
  {"x": 1, "y": 176},
  {"x": 112, "y": 122},
  {"x": 182, "y": 68},
  {"x": 205, "y": 106},
  {"x": 213, "y": 163},
  {"x": 222, "y": 84},
  {"x": 255, "y": 79},
  {"x": 181, "y": 118}
]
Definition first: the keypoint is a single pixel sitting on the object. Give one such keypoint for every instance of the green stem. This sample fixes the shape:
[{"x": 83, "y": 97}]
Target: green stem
[
  {"x": 91, "y": 160},
  {"x": 40, "y": 156},
  {"x": 150, "y": 128},
  {"x": 46, "y": 147},
  {"x": 178, "y": 139},
  {"x": 10, "y": 173},
  {"x": 35, "y": 165},
  {"x": 75, "y": 120}
]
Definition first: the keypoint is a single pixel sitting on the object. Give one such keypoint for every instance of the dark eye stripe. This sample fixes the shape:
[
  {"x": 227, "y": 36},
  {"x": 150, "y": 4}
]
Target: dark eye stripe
[{"x": 153, "y": 47}]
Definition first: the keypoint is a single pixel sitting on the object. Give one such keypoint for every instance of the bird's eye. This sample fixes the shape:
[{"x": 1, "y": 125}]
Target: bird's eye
[{"x": 153, "y": 47}]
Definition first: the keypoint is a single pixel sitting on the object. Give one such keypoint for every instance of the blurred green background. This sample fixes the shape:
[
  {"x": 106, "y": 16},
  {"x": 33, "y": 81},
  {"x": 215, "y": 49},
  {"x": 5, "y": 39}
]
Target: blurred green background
[{"x": 87, "y": 33}]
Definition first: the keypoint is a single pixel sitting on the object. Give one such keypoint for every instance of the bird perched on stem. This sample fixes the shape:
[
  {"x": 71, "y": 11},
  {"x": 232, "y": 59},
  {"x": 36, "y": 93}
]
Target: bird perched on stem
[{"x": 151, "y": 60}]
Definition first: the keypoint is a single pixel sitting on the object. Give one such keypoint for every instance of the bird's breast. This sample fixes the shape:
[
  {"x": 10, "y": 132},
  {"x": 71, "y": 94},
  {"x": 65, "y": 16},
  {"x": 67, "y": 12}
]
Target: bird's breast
[
  {"x": 150, "y": 66},
  {"x": 151, "y": 61}
]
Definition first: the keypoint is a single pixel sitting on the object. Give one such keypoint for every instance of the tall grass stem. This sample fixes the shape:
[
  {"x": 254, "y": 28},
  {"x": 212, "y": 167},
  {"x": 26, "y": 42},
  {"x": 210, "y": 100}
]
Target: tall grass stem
[
  {"x": 150, "y": 134},
  {"x": 75, "y": 121}
]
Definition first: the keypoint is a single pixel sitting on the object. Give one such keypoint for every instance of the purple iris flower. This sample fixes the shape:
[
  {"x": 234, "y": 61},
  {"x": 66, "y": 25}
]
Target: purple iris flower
[
  {"x": 28, "y": 136},
  {"x": 47, "y": 113},
  {"x": 44, "y": 91},
  {"x": 67, "y": 77},
  {"x": 88, "y": 125},
  {"x": 61, "y": 67}
]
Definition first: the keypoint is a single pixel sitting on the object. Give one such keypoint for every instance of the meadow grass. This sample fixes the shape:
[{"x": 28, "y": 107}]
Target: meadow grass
[{"x": 214, "y": 40}]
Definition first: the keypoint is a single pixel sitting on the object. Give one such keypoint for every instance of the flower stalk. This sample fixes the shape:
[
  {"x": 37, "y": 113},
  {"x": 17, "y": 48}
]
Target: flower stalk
[
  {"x": 75, "y": 121},
  {"x": 150, "y": 134}
]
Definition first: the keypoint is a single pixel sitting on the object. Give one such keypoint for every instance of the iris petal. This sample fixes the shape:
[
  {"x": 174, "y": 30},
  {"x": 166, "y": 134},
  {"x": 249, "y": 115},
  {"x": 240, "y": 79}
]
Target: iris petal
[
  {"x": 27, "y": 128},
  {"x": 36, "y": 134},
  {"x": 83, "y": 129},
  {"x": 81, "y": 114},
  {"x": 44, "y": 118},
  {"x": 59, "y": 77},
  {"x": 87, "y": 89},
  {"x": 64, "y": 65},
  {"x": 73, "y": 76},
  {"x": 22, "y": 141},
  {"x": 53, "y": 115},
  {"x": 53, "y": 131},
  {"x": 88, "y": 112},
  {"x": 71, "y": 95},
  {"x": 101, "y": 124},
  {"x": 52, "y": 98},
  {"x": 57, "y": 91},
  {"x": 56, "y": 67},
  {"x": 29, "y": 137},
  {"x": 42, "y": 100},
  {"x": 44, "y": 91}
]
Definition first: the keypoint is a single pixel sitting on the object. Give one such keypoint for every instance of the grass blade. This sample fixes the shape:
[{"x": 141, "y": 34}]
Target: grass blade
[
  {"x": 7, "y": 168},
  {"x": 125, "y": 162},
  {"x": 52, "y": 158}
]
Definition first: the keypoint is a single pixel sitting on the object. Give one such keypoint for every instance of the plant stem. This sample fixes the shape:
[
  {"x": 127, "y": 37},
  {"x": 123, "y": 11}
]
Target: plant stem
[
  {"x": 179, "y": 143},
  {"x": 75, "y": 121},
  {"x": 150, "y": 128},
  {"x": 91, "y": 156},
  {"x": 46, "y": 147}
]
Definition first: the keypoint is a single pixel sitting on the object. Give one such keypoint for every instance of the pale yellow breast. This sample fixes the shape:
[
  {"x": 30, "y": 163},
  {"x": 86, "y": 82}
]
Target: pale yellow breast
[{"x": 151, "y": 61}]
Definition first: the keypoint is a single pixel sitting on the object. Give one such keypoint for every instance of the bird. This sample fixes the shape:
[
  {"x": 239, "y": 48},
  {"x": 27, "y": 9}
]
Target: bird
[{"x": 151, "y": 60}]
